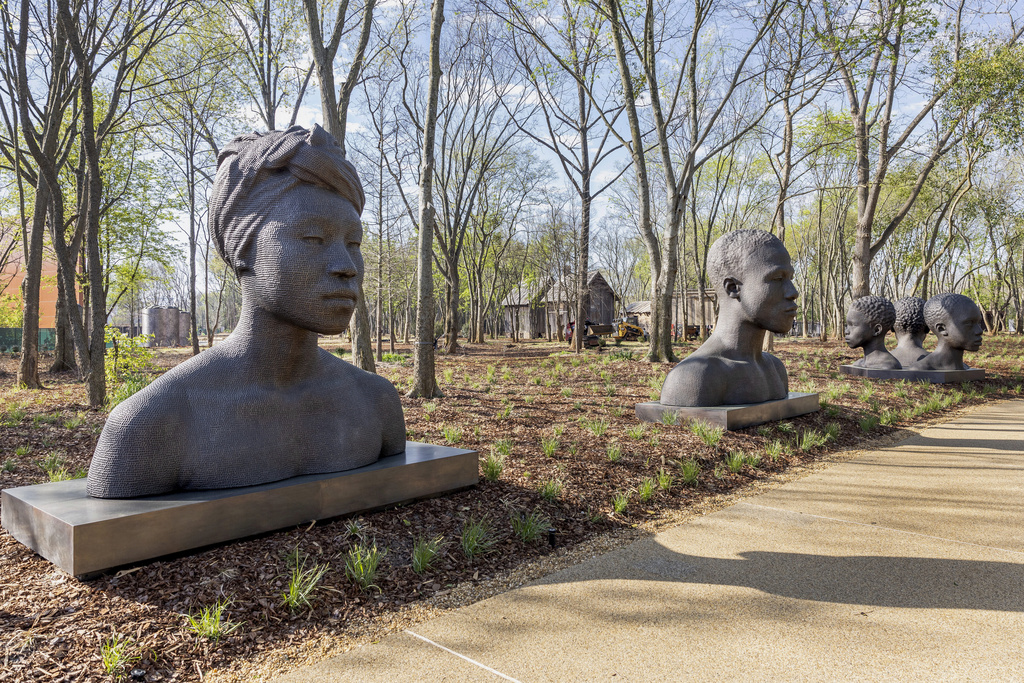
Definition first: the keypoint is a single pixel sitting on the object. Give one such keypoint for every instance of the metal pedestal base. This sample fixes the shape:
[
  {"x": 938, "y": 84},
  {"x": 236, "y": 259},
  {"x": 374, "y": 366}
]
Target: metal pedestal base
[
  {"x": 933, "y": 376},
  {"x": 84, "y": 535},
  {"x": 733, "y": 417}
]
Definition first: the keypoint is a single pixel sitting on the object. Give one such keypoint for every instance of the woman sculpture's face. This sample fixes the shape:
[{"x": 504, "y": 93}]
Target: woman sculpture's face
[{"x": 305, "y": 260}]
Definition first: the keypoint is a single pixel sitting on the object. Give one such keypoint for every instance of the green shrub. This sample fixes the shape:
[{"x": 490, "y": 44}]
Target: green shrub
[
  {"x": 475, "y": 538},
  {"x": 689, "y": 470},
  {"x": 210, "y": 622},
  {"x": 424, "y": 552},
  {"x": 868, "y": 423},
  {"x": 665, "y": 480},
  {"x": 362, "y": 563},
  {"x": 551, "y": 489},
  {"x": 399, "y": 358},
  {"x": 614, "y": 452},
  {"x": 549, "y": 445},
  {"x": 529, "y": 527},
  {"x": 302, "y": 583},
  {"x": 620, "y": 501},
  {"x": 706, "y": 432},
  {"x": 735, "y": 461},
  {"x": 645, "y": 491},
  {"x": 493, "y": 466}
]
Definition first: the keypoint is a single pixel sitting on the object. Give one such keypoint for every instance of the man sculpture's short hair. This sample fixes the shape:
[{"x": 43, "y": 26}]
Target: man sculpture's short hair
[
  {"x": 275, "y": 162},
  {"x": 938, "y": 309},
  {"x": 878, "y": 310},
  {"x": 910, "y": 315},
  {"x": 733, "y": 250}
]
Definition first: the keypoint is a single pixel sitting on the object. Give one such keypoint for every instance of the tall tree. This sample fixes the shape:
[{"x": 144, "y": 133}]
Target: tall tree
[{"x": 334, "y": 109}]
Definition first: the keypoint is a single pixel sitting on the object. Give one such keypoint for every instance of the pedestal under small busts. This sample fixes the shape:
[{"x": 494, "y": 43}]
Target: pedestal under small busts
[{"x": 867, "y": 323}]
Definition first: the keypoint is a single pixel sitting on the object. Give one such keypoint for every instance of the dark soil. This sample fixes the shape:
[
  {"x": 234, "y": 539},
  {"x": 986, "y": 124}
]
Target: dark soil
[{"x": 53, "y": 627}]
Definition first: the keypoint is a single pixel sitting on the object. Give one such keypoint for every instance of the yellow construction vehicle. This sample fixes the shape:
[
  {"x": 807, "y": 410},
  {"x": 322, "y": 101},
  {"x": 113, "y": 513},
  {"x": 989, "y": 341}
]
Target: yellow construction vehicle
[{"x": 628, "y": 329}]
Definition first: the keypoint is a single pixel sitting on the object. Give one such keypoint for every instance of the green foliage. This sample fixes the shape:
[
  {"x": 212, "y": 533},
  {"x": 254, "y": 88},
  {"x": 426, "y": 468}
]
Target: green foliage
[
  {"x": 551, "y": 489},
  {"x": 811, "y": 439},
  {"x": 399, "y": 358},
  {"x": 9, "y": 466},
  {"x": 211, "y": 622},
  {"x": 362, "y": 563},
  {"x": 11, "y": 312},
  {"x": 493, "y": 465},
  {"x": 116, "y": 656},
  {"x": 303, "y": 582},
  {"x": 665, "y": 480},
  {"x": 549, "y": 445},
  {"x": 868, "y": 423},
  {"x": 503, "y": 447},
  {"x": 529, "y": 527},
  {"x": 452, "y": 435},
  {"x": 689, "y": 470},
  {"x": 620, "y": 502},
  {"x": 597, "y": 426},
  {"x": 614, "y": 452},
  {"x": 646, "y": 489},
  {"x": 424, "y": 552},
  {"x": 13, "y": 416},
  {"x": 127, "y": 356},
  {"x": 636, "y": 432},
  {"x": 475, "y": 538},
  {"x": 669, "y": 418},
  {"x": 774, "y": 450},
  {"x": 735, "y": 461},
  {"x": 706, "y": 432}
]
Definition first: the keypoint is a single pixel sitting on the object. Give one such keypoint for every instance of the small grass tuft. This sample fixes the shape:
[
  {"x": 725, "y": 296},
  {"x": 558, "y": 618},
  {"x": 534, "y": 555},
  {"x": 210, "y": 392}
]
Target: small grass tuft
[
  {"x": 549, "y": 445},
  {"x": 362, "y": 563},
  {"x": 645, "y": 491},
  {"x": 707, "y": 432},
  {"x": 476, "y": 538},
  {"x": 529, "y": 527},
  {"x": 689, "y": 470},
  {"x": 620, "y": 501},
  {"x": 115, "y": 655},
  {"x": 614, "y": 452},
  {"x": 493, "y": 465},
  {"x": 551, "y": 489},
  {"x": 735, "y": 461},
  {"x": 424, "y": 552},
  {"x": 211, "y": 622},
  {"x": 302, "y": 583}
]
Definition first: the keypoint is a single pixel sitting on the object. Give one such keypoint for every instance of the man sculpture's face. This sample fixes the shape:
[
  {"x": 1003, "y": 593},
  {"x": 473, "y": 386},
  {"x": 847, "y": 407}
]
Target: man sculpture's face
[
  {"x": 768, "y": 295},
  {"x": 306, "y": 260},
  {"x": 859, "y": 328},
  {"x": 963, "y": 327}
]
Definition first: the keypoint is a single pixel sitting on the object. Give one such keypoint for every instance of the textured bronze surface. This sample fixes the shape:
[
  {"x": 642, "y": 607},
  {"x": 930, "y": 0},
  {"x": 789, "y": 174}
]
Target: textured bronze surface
[
  {"x": 752, "y": 274},
  {"x": 266, "y": 403}
]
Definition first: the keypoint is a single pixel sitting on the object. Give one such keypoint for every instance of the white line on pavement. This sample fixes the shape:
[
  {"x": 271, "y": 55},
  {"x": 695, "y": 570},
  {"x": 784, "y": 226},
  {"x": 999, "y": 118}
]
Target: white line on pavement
[{"x": 471, "y": 661}]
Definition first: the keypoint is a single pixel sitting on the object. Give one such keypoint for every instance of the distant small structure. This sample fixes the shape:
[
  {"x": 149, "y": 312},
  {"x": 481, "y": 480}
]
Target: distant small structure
[
  {"x": 642, "y": 310},
  {"x": 531, "y": 311},
  {"x": 166, "y": 326}
]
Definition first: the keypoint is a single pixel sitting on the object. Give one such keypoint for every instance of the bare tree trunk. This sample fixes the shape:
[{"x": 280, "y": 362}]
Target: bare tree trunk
[
  {"x": 28, "y": 368},
  {"x": 424, "y": 377}
]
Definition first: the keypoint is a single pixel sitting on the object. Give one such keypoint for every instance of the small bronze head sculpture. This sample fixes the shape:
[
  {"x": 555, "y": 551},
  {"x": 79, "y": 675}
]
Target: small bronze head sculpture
[
  {"x": 267, "y": 403},
  {"x": 753, "y": 279},
  {"x": 958, "y": 324},
  {"x": 867, "y": 322},
  {"x": 910, "y": 329}
]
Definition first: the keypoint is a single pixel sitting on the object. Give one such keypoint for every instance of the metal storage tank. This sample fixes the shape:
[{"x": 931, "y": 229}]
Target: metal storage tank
[
  {"x": 169, "y": 326},
  {"x": 151, "y": 325},
  {"x": 184, "y": 328}
]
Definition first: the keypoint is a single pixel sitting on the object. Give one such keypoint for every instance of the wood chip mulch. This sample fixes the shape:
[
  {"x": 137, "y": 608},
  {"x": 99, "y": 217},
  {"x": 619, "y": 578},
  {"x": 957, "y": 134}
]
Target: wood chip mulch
[{"x": 54, "y": 627}]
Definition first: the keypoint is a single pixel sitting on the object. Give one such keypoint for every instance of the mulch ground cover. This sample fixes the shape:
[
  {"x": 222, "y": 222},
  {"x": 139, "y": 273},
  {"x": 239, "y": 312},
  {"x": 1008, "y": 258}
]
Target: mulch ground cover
[{"x": 565, "y": 451}]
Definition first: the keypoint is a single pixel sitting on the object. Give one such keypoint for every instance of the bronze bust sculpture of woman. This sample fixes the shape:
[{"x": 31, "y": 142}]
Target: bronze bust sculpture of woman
[{"x": 267, "y": 403}]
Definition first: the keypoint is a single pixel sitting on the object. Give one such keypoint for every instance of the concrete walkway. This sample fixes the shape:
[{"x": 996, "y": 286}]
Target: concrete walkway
[{"x": 905, "y": 564}]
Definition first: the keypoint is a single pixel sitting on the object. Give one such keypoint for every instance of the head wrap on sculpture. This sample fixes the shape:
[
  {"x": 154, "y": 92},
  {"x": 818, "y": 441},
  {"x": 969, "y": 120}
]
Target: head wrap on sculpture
[{"x": 237, "y": 204}]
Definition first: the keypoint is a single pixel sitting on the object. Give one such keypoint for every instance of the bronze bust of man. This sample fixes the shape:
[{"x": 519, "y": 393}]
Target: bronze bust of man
[
  {"x": 958, "y": 324},
  {"x": 867, "y": 323},
  {"x": 910, "y": 329},
  {"x": 753, "y": 278},
  {"x": 267, "y": 403}
]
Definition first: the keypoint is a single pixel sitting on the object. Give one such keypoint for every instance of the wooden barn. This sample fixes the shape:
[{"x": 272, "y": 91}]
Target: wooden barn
[{"x": 534, "y": 311}]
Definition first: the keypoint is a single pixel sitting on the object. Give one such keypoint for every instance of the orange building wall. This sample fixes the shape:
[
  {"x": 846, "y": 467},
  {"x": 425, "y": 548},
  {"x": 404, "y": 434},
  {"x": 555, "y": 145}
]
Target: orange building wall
[{"x": 47, "y": 289}]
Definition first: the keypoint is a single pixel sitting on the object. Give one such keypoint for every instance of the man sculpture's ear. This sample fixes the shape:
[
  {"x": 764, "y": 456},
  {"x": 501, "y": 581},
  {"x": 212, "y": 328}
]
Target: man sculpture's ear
[
  {"x": 732, "y": 287},
  {"x": 877, "y": 330},
  {"x": 940, "y": 330}
]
